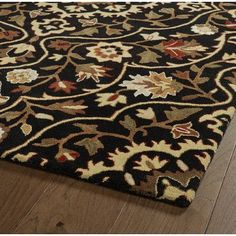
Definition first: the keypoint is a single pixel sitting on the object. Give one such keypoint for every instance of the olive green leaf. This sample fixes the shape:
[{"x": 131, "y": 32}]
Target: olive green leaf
[
  {"x": 47, "y": 142},
  {"x": 88, "y": 31},
  {"x": 128, "y": 123},
  {"x": 91, "y": 129},
  {"x": 180, "y": 113},
  {"x": 111, "y": 31},
  {"x": 91, "y": 144},
  {"x": 19, "y": 19},
  {"x": 148, "y": 56}
]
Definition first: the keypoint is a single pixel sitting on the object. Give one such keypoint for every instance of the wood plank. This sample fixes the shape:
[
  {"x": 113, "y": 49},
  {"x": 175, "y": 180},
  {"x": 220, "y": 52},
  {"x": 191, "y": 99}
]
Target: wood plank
[
  {"x": 20, "y": 189},
  {"x": 224, "y": 215},
  {"x": 73, "y": 206},
  {"x": 146, "y": 216}
]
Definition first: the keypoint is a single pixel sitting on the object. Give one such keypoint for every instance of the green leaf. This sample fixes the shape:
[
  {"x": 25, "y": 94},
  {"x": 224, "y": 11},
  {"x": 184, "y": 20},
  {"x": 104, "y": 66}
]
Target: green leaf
[
  {"x": 202, "y": 80},
  {"x": 214, "y": 66},
  {"x": 190, "y": 97},
  {"x": 91, "y": 144},
  {"x": 54, "y": 67},
  {"x": 148, "y": 57},
  {"x": 194, "y": 68},
  {"x": 87, "y": 128},
  {"x": 47, "y": 142},
  {"x": 179, "y": 114},
  {"x": 112, "y": 31},
  {"x": 10, "y": 115},
  {"x": 128, "y": 123},
  {"x": 19, "y": 19},
  {"x": 88, "y": 31},
  {"x": 153, "y": 15},
  {"x": 127, "y": 26}
]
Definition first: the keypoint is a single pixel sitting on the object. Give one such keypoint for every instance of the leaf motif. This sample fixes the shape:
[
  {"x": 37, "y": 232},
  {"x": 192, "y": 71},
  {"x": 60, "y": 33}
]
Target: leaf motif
[
  {"x": 26, "y": 129},
  {"x": 22, "y": 157},
  {"x": 19, "y": 19},
  {"x": 194, "y": 68},
  {"x": 186, "y": 16},
  {"x": 153, "y": 15},
  {"x": 54, "y": 67},
  {"x": 129, "y": 179},
  {"x": 88, "y": 31},
  {"x": 128, "y": 123},
  {"x": 76, "y": 56},
  {"x": 112, "y": 31},
  {"x": 202, "y": 80},
  {"x": 190, "y": 97},
  {"x": 148, "y": 57},
  {"x": 158, "y": 23},
  {"x": 87, "y": 128},
  {"x": 180, "y": 114},
  {"x": 47, "y": 142},
  {"x": 91, "y": 144},
  {"x": 44, "y": 116},
  {"x": 214, "y": 66},
  {"x": 127, "y": 26},
  {"x": 10, "y": 115}
]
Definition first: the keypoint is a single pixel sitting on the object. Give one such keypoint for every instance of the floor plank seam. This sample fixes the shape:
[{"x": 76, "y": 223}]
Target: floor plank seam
[
  {"x": 213, "y": 209},
  {"x": 118, "y": 216},
  {"x": 30, "y": 210}
]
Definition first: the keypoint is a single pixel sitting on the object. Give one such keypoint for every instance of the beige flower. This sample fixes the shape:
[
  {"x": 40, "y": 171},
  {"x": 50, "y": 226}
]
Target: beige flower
[
  {"x": 21, "y": 76},
  {"x": 110, "y": 99},
  {"x": 51, "y": 26},
  {"x": 155, "y": 84},
  {"x": 204, "y": 29},
  {"x": 109, "y": 51},
  {"x": 152, "y": 36}
]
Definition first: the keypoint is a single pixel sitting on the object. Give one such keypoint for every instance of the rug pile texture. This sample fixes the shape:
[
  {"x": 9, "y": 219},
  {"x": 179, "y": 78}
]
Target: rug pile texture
[{"x": 132, "y": 96}]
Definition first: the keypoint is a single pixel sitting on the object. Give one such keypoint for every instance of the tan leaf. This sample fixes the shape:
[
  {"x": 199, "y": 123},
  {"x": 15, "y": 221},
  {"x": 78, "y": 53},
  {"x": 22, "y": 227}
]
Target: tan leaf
[
  {"x": 129, "y": 179},
  {"x": 148, "y": 57},
  {"x": 112, "y": 31},
  {"x": 19, "y": 19},
  {"x": 44, "y": 116},
  {"x": 47, "y": 142},
  {"x": 128, "y": 123},
  {"x": 26, "y": 129},
  {"x": 87, "y": 128},
  {"x": 22, "y": 157},
  {"x": 88, "y": 31}
]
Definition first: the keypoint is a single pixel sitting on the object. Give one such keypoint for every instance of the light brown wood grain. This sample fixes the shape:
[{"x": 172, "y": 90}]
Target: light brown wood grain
[
  {"x": 145, "y": 216},
  {"x": 73, "y": 206},
  {"x": 65, "y": 205},
  {"x": 20, "y": 189},
  {"x": 223, "y": 219}
]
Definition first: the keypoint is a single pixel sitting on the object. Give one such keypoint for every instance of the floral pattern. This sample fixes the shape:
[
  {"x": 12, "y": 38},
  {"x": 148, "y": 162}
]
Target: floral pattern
[
  {"x": 133, "y": 96},
  {"x": 21, "y": 76},
  {"x": 109, "y": 52}
]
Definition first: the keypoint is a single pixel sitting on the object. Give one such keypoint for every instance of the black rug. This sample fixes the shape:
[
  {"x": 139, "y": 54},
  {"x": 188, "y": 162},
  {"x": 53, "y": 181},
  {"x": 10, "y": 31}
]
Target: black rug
[{"x": 133, "y": 96}]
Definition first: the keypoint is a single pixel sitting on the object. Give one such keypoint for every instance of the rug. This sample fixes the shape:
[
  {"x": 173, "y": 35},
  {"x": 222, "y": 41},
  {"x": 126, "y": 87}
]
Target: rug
[{"x": 131, "y": 96}]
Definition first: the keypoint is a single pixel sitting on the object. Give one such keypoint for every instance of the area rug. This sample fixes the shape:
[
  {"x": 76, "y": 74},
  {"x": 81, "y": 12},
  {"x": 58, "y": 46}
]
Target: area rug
[{"x": 132, "y": 96}]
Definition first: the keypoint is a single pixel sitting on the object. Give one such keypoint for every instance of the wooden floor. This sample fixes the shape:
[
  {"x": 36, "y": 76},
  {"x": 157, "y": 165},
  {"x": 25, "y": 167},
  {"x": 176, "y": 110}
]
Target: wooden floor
[{"x": 33, "y": 201}]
